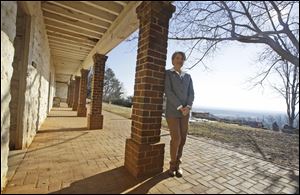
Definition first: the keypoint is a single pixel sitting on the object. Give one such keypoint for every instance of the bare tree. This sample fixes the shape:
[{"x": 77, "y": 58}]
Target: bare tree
[
  {"x": 287, "y": 86},
  {"x": 207, "y": 24},
  {"x": 289, "y": 89}
]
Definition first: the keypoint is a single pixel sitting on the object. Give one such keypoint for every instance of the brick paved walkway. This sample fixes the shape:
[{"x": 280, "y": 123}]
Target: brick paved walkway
[{"x": 65, "y": 157}]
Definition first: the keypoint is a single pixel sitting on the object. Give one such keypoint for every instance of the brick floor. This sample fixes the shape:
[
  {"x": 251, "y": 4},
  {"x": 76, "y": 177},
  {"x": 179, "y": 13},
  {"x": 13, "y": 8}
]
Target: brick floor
[{"x": 65, "y": 157}]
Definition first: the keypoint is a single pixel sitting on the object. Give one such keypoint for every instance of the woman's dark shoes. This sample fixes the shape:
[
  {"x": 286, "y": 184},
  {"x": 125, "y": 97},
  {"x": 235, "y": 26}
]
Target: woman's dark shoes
[
  {"x": 179, "y": 173},
  {"x": 171, "y": 173}
]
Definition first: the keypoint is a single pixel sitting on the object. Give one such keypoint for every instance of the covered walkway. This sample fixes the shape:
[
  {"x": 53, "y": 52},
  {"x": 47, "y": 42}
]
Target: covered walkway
[
  {"x": 47, "y": 49},
  {"x": 65, "y": 157}
]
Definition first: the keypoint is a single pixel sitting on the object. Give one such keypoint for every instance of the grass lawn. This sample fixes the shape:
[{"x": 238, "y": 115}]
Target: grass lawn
[
  {"x": 276, "y": 147},
  {"x": 125, "y": 112}
]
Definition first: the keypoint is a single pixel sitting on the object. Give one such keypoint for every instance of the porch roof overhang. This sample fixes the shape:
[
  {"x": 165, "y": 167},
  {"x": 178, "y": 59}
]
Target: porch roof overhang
[{"x": 76, "y": 30}]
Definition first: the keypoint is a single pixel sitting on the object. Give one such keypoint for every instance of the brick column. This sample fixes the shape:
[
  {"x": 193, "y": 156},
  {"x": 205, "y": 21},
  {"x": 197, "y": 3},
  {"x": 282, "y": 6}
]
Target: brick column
[
  {"x": 81, "y": 109},
  {"x": 95, "y": 117},
  {"x": 144, "y": 154},
  {"x": 76, "y": 93},
  {"x": 71, "y": 93},
  {"x": 68, "y": 94}
]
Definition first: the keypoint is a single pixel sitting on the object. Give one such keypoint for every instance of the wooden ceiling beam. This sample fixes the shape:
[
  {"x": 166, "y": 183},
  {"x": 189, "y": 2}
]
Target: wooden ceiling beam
[
  {"x": 66, "y": 56},
  {"x": 87, "y": 10},
  {"x": 64, "y": 12},
  {"x": 74, "y": 23},
  {"x": 57, "y": 45},
  {"x": 67, "y": 53},
  {"x": 71, "y": 60},
  {"x": 72, "y": 29},
  {"x": 72, "y": 52},
  {"x": 123, "y": 3},
  {"x": 69, "y": 43},
  {"x": 71, "y": 34},
  {"x": 108, "y": 6},
  {"x": 65, "y": 37}
]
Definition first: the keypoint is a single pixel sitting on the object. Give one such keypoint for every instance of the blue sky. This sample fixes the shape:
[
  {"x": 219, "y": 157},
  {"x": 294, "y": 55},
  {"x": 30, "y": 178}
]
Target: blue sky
[{"x": 223, "y": 86}]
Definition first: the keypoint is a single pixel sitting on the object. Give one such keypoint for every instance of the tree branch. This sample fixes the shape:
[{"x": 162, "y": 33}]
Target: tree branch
[
  {"x": 286, "y": 27},
  {"x": 206, "y": 52}
]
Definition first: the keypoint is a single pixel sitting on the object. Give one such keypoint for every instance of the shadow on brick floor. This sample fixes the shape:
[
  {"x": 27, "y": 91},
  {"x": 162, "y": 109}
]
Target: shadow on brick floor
[
  {"x": 45, "y": 147},
  {"x": 75, "y": 116},
  {"x": 114, "y": 181},
  {"x": 274, "y": 178},
  {"x": 295, "y": 177},
  {"x": 63, "y": 130},
  {"x": 60, "y": 109}
]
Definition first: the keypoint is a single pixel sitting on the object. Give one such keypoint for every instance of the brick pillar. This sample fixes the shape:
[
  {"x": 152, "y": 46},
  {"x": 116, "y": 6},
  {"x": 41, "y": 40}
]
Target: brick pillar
[
  {"x": 81, "y": 109},
  {"x": 71, "y": 93},
  {"x": 144, "y": 154},
  {"x": 76, "y": 93},
  {"x": 68, "y": 95},
  {"x": 95, "y": 117}
]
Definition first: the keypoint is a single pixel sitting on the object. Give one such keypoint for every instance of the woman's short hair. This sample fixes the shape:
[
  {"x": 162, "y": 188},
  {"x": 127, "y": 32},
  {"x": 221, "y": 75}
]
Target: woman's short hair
[{"x": 180, "y": 53}]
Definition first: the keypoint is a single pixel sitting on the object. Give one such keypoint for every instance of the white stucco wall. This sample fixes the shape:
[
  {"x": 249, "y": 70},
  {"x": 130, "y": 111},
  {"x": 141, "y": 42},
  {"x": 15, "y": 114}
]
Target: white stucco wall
[{"x": 38, "y": 77}]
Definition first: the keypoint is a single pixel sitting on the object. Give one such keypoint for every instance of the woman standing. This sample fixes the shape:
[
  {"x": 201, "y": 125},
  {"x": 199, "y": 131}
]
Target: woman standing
[{"x": 180, "y": 96}]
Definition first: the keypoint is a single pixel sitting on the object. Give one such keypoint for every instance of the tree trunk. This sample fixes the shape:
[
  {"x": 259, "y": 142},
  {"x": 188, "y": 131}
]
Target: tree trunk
[{"x": 291, "y": 122}]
